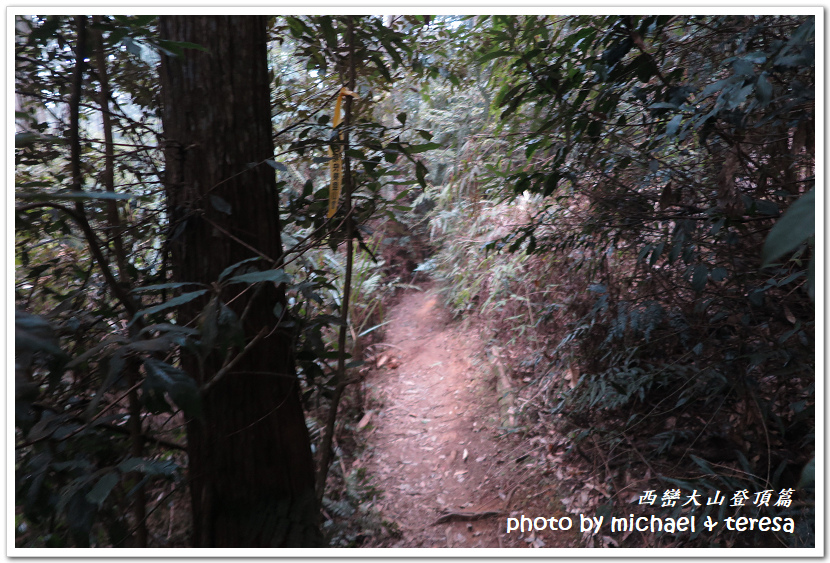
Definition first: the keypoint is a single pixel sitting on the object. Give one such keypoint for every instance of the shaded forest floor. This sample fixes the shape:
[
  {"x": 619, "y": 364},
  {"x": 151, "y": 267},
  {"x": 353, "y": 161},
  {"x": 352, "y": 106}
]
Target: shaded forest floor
[{"x": 450, "y": 474}]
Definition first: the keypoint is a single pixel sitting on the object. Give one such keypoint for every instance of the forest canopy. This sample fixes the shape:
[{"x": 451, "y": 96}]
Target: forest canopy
[{"x": 212, "y": 212}]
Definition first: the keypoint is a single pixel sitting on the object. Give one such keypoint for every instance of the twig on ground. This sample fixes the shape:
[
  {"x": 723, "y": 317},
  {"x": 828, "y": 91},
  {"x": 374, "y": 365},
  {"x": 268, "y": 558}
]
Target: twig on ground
[{"x": 467, "y": 516}]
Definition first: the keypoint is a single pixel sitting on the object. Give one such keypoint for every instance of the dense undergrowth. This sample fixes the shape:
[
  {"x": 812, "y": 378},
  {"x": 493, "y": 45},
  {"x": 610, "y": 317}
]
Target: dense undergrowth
[
  {"x": 628, "y": 278},
  {"x": 642, "y": 385}
]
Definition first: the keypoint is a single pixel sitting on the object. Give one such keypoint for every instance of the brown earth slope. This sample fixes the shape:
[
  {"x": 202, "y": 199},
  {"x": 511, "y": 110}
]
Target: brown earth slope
[{"x": 451, "y": 476}]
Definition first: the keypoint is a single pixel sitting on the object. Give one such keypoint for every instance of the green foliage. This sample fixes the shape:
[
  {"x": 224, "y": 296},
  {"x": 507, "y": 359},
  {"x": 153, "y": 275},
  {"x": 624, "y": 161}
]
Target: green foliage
[
  {"x": 794, "y": 228},
  {"x": 353, "y": 516},
  {"x": 99, "y": 327},
  {"x": 163, "y": 378},
  {"x": 642, "y": 163}
]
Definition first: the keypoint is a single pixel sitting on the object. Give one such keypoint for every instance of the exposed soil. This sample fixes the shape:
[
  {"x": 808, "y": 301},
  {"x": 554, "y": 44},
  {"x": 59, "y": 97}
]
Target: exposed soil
[{"x": 451, "y": 476}]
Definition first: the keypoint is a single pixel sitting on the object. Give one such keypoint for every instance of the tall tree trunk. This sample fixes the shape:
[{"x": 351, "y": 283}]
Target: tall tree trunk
[{"x": 251, "y": 469}]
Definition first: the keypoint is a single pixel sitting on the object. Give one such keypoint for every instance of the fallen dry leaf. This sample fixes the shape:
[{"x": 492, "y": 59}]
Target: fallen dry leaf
[{"x": 364, "y": 422}]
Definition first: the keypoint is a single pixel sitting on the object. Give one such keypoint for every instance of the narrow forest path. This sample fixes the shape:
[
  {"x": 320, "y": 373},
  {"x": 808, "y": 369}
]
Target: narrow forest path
[{"x": 434, "y": 445}]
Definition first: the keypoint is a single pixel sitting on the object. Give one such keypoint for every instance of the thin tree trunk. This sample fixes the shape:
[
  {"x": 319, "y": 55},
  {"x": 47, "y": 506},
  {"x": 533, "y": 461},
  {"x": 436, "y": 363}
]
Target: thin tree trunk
[
  {"x": 75, "y": 109},
  {"x": 77, "y": 177},
  {"x": 109, "y": 155},
  {"x": 328, "y": 436},
  {"x": 251, "y": 471},
  {"x": 139, "y": 538}
]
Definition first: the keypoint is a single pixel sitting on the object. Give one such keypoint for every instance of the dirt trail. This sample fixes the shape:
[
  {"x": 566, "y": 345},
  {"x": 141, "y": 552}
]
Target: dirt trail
[{"x": 434, "y": 445}]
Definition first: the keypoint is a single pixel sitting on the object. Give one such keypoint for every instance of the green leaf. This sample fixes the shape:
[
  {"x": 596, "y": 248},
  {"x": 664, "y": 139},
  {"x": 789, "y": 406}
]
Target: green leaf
[
  {"x": 220, "y": 204},
  {"x": 160, "y": 344},
  {"x": 789, "y": 279},
  {"x": 356, "y": 154},
  {"x": 51, "y": 196},
  {"x": 35, "y": 334},
  {"x": 167, "y": 327},
  {"x": 161, "y": 286},
  {"x": 531, "y": 148},
  {"x": 420, "y": 173},
  {"x": 368, "y": 330},
  {"x": 756, "y": 297},
  {"x": 276, "y": 165},
  {"x": 276, "y": 276},
  {"x": 115, "y": 367},
  {"x": 808, "y": 475},
  {"x": 712, "y": 88},
  {"x": 707, "y": 469},
  {"x": 148, "y": 466},
  {"x": 494, "y": 55},
  {"x": 743, "y": 68},
  {"x": 402, "y": 117},
  {"x": 229, "y": 270},
  {"x": 99, "y": 493},
  {"x": 699, "y": 277},
  {"x": 143, "y": 21},
  {"x": 28, "y": 138},
  {"x": 644, "y": 67},
  {"x": 415, "y": 149},
  {"x": 719, "y": 274},
  {"x": 164, "y": 378},
  {"x": 551, "y": 182},
  {"x": 328, "y": 31},
  {"x": 230, "y": 327},
  {"x": 503, "y": 98},
  {"x": 71, "y": 490},
  {"x": 379, "y": 64},
  {"x": 736, "y": 96},
  {"x": 674, "y": 124},
  {"x": 766, "y": 207},
  {"x": 763, "y": 89},
  {"x": 793, "y": 228},
  {"x": 208, "y": 326},
  {"x": 175, "y": 302}
]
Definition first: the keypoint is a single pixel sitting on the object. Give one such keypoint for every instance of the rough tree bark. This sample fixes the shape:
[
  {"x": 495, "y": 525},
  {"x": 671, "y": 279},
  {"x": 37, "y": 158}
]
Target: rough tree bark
[{"x": 251, "y": 469}]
